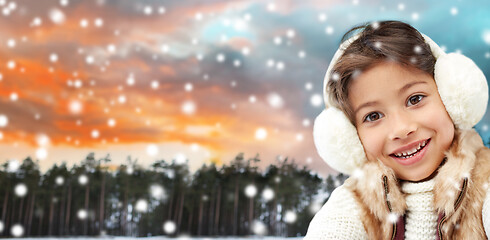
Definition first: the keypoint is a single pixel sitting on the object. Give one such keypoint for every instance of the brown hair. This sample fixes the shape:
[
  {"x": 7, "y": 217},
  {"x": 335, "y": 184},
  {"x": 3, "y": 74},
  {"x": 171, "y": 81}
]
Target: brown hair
[{"x": 377, "y": 42}]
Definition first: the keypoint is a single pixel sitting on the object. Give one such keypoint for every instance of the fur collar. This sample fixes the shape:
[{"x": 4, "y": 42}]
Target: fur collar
[{"x": 380, "y": 195}]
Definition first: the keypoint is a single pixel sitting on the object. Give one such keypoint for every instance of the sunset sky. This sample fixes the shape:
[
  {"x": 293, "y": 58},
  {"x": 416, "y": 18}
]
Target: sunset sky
[{"x": 189, "y": 80}]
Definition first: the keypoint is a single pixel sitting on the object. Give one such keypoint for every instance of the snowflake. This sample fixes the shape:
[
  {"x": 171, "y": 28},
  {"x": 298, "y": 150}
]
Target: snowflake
[
  {"x": 82, "y": 214},
  {"x": 152, "y": 150},
  {"x": 271, "y": 7},
  {"x": 188, "y": 87},
  {"x": 250, "y": 191},
  {"x": 59, "y": 180},
  {"x": 270, "y": 63},
  {"x": 245, "y": 51},
  {"x": 280, "y": 66},
  {"x": 83, "y": 179},
  {"x": 261, "y": 134},
  {"x": 14, "y": 97},
  {"x": 316, "y": 100},
  {"x": 95, "y": 133},
  {"x": 17, "y": 230},
  {"x": 315, "y": 207},
  {"x": 11, "y": 43},
  {"x": 11, "y": 64},
  {"x": 306, "y": 122},
  {"x": 169, "y": 227},
  {"x": 78, "y": 83},
  {"x": 89, "y": 59},
  {"x": 41, "y": 153},
  {"x": 220, "y": 57},
  {"x": 322, "y": 17},
  {"x": 277, "y": 40},
  {"x": 198, "y": 16},
  {"x": 20, "y": 190},
  {"x": 252, "y": 99},
  {"x": 84, "y": 23},
  {"x": 299, "y": 137},
  {"x": 141, "y": 205},
  {"x": 121, "y": 99},
  {"x": 415, "y": 16},
  {"x": 329, "y": 30},
  {"x": 275, "y": 100},
  {"x": 180, "y": 158},
  {"x": 290, "y": 217},
  {"x": 259, "y": 228},
  {"x": 98, "y": 22},
  {"x": 188, "y": 108},
  {"x": 268, "y": 194},
  {"x": 158, "y": 192},
  {"x": 75, "y": 106},
  {"x": 3, "y": 121},
  {"x": 57, "y": 16},
  {"x": 111, "y": 122},
  {"x": 161, "y": 10},
  {"x": 486, "y": 36},
  {"x": 301, "y": 54},
  {"x": 36, "y": 22},
  {"x": 13, "y": 165},
  {"x": 392, "y": 218},
  {"x": 454, "y": 11},
  {"x": 53, "y": 57}
]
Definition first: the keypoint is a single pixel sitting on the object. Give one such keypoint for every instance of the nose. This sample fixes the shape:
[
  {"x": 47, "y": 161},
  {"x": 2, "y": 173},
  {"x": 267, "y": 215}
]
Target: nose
[{"x": 402, "y": 125}]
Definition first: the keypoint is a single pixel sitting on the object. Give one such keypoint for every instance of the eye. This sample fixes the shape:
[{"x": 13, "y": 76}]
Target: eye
[
  {"x": 414, "y": 100},
  {"x": 373, "y": 116}
]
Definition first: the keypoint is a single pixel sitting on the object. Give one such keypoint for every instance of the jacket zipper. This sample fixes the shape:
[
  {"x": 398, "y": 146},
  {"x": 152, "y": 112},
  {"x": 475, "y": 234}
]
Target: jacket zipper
[
  {"x": 456, "y": 206},
  {"x": 387, "y": 190}
]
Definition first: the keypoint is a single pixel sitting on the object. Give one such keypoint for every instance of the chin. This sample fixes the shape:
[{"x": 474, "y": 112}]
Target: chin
[{"x": 418, "y": 177}]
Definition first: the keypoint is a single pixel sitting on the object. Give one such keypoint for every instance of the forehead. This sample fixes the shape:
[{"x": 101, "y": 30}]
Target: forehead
[{"x": 384, "y": 78}]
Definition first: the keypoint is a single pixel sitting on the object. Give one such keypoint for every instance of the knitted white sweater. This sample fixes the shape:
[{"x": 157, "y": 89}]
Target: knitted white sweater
[
  {"x": 421, "y": 217},
  {"x": 339, "y": 217}
]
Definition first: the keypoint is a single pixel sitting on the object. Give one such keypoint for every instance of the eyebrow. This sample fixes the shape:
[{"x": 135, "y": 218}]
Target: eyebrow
[{"x": 403, "y": 89}]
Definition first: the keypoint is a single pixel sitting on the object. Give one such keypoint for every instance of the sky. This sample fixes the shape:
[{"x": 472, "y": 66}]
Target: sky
[{"x": 190, "y": 81}]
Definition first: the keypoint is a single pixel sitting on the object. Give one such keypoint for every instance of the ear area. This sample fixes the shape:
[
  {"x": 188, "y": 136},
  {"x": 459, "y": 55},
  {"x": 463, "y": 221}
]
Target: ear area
[
  {"x": 463, "y": 89},
  {"x": 337, "y": 142}
]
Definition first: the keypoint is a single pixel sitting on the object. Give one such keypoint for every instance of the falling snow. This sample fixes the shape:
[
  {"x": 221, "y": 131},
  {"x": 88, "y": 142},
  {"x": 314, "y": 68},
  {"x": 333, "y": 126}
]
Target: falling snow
[
  {"x": 261, "y": 134},
  {"x": 268, "y": 194},
  {"x": 17, "y": 230},
  {"x": 83, "y": 179},
  {"x": 57, "y": 16},
  {"x": 169, "y": 227},
  {"x": 141, "y": 205},
  {"x": 290, "y": 216},
  {"x": 20, "y": 190},
  {"x": 250, "y": 191},
  {"x": 3, "y": 121}
]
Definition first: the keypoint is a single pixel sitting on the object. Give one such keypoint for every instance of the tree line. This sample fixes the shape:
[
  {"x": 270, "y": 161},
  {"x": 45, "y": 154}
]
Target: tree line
[{"x": 96, "y": 198}]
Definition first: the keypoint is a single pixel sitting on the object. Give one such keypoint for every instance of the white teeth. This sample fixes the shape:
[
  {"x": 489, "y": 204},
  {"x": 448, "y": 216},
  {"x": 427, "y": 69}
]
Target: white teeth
[{"x": 412, "y": 151}]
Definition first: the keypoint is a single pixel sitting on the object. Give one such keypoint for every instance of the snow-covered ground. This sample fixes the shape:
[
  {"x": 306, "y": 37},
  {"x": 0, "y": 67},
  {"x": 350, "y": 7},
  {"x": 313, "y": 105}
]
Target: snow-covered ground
[{"x": 164, "y": 238}]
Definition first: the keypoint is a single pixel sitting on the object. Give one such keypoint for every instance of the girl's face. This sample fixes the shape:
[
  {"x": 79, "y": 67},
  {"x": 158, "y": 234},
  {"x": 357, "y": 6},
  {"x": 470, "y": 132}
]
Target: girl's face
[{"x": 401, "y": 119}]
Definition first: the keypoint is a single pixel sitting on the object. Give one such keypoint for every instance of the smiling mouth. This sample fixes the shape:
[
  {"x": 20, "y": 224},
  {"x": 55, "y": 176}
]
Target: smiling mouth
[{"x": 411, "y": 153}]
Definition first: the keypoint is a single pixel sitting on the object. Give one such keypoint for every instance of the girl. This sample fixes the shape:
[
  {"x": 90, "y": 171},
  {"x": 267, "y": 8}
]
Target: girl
[{"x": 398, "y": 119}]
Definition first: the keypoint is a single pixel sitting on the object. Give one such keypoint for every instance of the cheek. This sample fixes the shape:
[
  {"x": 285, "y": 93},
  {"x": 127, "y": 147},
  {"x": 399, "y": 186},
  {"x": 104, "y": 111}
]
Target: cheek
[
  {"x": 440, "y": 121},
  {"x": 372, "y": 143}
]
